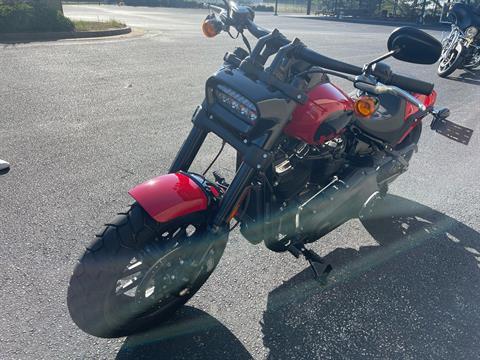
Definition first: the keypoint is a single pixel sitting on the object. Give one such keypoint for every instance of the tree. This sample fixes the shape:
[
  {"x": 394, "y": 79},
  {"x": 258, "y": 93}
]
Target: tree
[{"x": 54, "y": 4}]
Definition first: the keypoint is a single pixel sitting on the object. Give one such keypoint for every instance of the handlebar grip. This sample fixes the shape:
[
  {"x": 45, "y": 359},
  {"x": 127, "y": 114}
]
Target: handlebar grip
[
  {"x": 317, "y": 59},
  {"x": 412, "y": 85}
]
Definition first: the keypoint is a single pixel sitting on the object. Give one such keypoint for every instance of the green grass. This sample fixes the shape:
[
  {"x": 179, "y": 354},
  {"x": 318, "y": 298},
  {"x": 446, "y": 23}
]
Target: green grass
[{"x": 81, "y": 25}]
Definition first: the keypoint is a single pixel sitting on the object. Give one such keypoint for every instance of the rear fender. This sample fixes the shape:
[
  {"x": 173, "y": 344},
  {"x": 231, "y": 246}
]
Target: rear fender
[
  {"x": 411, "y": 110},
  {"x": 427, "y": 100},
  {"x": 170, "y": 196}
]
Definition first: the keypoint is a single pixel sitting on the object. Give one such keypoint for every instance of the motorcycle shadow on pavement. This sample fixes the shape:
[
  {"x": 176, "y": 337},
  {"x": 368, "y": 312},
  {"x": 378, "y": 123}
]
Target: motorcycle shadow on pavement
[
  {"x": 471, "y": 77},
  {"x": 191, "y": 334},
  {"x": 415, "y": 296}
]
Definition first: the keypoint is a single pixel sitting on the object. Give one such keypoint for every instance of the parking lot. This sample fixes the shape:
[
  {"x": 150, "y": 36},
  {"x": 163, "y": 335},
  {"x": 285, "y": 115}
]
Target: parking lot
[{"x": 82, "y": 121}]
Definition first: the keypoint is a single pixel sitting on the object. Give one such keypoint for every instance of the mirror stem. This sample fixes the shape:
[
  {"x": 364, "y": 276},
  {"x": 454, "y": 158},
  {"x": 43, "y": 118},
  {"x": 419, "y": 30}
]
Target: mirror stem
[{"x": 383, "y": 57}]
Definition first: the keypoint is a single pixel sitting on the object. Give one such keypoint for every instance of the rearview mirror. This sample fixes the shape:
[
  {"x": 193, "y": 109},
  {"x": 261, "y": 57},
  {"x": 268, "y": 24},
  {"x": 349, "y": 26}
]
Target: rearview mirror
[{"x": 414, "y": 45}]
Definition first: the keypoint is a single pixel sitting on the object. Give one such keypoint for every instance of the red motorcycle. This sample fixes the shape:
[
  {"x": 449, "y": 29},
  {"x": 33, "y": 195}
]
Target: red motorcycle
[{"x": 310, "y": 157}]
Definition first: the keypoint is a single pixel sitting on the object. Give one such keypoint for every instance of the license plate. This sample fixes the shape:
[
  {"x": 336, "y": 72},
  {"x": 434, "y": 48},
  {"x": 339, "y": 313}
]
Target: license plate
[{"x": 452, "y": 131}]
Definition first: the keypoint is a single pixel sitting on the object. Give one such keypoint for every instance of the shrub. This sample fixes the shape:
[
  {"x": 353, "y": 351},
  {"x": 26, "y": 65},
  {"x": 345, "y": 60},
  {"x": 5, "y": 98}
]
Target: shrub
[
  {"x": 263, "y": 8},
  {"x": 31, "y": 17}
]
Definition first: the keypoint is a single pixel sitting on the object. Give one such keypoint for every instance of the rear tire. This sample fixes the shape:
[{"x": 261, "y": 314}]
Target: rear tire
[{"x": 124, "y": 283}]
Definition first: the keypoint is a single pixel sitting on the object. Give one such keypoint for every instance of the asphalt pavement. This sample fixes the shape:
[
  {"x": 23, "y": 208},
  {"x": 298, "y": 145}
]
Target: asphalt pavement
[{"x": 82, "y": 121}]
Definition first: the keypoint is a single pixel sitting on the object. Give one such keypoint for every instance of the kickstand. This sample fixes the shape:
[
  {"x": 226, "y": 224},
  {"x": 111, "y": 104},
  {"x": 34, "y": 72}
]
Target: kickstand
[{"x": 318, "y": 266}]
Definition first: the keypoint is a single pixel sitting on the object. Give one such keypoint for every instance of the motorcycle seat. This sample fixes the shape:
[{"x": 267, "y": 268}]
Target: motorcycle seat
[{"x": 388, "y": 121}]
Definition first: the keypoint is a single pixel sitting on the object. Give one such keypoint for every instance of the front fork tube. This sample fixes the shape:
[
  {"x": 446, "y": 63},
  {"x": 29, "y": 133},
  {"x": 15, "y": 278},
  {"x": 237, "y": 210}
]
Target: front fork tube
[
  {"x": 189, "y": 149},
  {"x": 242, "y": 178}
]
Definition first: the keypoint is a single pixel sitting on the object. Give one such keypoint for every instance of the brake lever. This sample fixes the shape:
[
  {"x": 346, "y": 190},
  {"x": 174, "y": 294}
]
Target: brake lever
[{"x": 387, "y": 89}]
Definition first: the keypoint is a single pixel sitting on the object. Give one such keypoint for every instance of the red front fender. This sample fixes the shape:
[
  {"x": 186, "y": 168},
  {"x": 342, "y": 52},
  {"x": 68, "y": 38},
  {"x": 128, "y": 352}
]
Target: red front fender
[{"x": 170, "y": 196}]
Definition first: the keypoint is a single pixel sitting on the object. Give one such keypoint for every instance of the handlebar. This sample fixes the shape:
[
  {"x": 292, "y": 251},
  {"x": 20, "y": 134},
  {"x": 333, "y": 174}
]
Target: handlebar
[
  {"x": 309, "y": 55},
  {"x": 404, "y": 82},
  {"x": 317, "y": 59},
  {"x": 314, "y": 58},
  {"x": 256, "y": 30}
]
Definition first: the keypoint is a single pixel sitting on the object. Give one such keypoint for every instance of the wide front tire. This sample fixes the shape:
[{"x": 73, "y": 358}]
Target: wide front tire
[{"x": 137, "y": 272}]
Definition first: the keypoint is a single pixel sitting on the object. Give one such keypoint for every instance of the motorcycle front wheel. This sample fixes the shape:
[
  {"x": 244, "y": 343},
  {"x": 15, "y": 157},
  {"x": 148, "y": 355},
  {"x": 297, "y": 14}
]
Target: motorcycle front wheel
[
  {"x": 451, "y": 60},
  {"x": 137, "y": 272}
]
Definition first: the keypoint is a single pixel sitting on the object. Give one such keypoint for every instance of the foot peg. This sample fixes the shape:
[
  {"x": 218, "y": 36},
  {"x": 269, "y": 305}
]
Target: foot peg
[{"x": 318, "y": 266}]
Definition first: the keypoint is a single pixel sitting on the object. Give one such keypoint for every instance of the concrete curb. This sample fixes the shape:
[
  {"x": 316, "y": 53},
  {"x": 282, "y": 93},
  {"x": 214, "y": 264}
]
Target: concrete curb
[
  {"x": 45, "y": 36},
  {"x": 374, "y": 22}
]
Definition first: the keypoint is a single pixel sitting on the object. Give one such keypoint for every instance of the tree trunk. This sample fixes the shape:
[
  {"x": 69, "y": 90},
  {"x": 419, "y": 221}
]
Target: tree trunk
[{"x": 309, "y": 6}]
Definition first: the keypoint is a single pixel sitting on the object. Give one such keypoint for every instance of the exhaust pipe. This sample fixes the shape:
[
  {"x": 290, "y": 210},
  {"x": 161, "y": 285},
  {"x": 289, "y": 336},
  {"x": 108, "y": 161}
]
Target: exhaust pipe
[
  {"x": 338, "y": 202},
  {"x": 395, "y": 166}
]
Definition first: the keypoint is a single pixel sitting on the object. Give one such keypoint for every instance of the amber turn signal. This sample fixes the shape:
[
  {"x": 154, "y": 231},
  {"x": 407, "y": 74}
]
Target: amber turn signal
[
  {"x": 365, "y": 106},
  {"x": 211, "y": 28}
]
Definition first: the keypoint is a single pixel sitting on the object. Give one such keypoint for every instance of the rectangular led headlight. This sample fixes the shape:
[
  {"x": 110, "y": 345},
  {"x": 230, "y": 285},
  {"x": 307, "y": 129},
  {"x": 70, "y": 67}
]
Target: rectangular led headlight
[{"x": 236, "y": 103}]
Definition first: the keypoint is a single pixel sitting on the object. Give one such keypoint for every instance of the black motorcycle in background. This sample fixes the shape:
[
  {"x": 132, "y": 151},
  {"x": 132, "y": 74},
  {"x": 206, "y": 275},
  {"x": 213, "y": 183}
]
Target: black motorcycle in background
[{"x": 461, "y": 48}]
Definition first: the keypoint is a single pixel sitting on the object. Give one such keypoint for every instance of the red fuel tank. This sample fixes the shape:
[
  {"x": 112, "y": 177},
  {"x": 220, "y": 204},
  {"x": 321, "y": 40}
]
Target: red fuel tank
[{"x": 324, "y": 116}]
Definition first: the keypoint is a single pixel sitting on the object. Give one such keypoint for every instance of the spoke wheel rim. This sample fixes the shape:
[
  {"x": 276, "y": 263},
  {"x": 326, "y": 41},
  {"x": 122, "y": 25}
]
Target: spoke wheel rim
[{"x": 448, "y": 60}]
